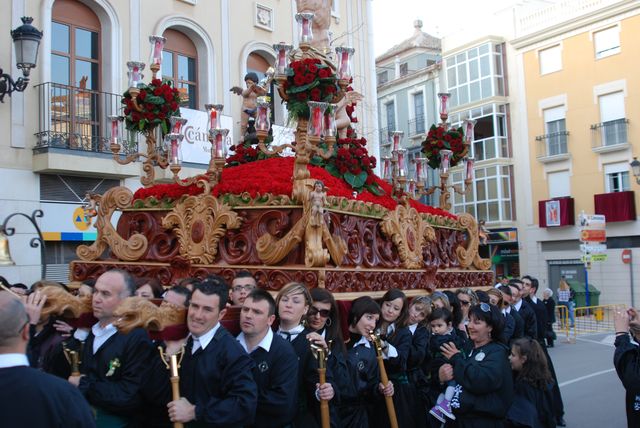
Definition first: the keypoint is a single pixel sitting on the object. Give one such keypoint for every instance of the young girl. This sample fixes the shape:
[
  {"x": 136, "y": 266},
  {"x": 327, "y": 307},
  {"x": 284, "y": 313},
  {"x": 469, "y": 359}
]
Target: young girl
[
  {"x": 361, "y": 390},
  {"x": 442, "y": 331},
  {"x": 293, "y": 302},
  {"x": 533, "y": 401}
]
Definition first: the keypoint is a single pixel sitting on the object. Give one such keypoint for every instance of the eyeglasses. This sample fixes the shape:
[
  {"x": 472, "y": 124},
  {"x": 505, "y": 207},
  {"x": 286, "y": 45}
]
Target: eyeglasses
[
  {"x": 465, "y": 302},
  {"x": 239, "y": 288},
  {"x": 324, "y": 313},
  {"x": 485, "y": 307}
]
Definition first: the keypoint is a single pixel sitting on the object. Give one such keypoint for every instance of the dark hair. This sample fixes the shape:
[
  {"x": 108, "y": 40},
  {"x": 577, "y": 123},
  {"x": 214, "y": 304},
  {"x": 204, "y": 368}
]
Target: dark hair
[
  {"x": 333, "y": 330},
  {"x": 251, "y": 76},
  {"x": 534, "y": 283},
  {"x": 214, "y": 285},
  {"x": 4, "y": 281},
  {"x": 506, "y": 290},
  {"x": 89, "y": 282},
  {"x": 260, "y": 295},
  {"x": 535, "y": 370},
  {"x": 456, "y": 308},
  {"x": 153, "y": 283},
  {"x": 360, "y": 306},
  {"x": 393, "y": 294},
  {"x": 515, "y": 283},
  {"x": 243, "y": 274},
  {"x": 187, "y": 281},
  {"x": 482, "y": 296},
  {"x": 19, "y": 285},
  {"x": 443, "y": 314},
  {"x": 183, "y": 291},
  {"x": 490, "y": 315}
]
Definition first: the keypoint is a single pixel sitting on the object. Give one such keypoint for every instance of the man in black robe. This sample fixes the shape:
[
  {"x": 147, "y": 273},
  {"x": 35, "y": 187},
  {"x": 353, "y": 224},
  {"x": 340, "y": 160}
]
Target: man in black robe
[
  {"x": 216, "y": 381},
  {"x": 276, "y": 363},
  {"x": 113, "y": 364},
  {"x": 29, "y": 397},
  {"x": 524, "y": 309}
]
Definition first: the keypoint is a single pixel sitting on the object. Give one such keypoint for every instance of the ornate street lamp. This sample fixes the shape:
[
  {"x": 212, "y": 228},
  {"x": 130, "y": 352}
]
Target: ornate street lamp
[
  {"x": 26, "y": 41},
  {"x": 635, "y": 169}
]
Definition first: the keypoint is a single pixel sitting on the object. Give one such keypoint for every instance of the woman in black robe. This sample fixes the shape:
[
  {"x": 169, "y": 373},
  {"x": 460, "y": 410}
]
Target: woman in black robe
[{"x": 626, "y": 360}]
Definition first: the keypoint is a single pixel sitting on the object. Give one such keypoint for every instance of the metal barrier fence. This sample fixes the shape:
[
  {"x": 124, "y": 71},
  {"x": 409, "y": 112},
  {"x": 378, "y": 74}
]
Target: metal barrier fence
[{"x": 586, "y": 320}]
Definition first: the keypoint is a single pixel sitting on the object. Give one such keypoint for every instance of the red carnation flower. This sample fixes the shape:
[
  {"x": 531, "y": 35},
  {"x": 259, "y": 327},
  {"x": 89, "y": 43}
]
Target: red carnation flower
[
  {"x": 315, "y": 94},
  {"x": 313, "y": 68},
  {"x": 301, "y": 96},
  {"x": 174, "y": 106},
  {"x": 156, "y": 82},
  {"x": 323, "y": 73},
  {"x": 308, "y": 78},
  {"x": 298, "y": 80},
  {"x": 142, "y": 95}
]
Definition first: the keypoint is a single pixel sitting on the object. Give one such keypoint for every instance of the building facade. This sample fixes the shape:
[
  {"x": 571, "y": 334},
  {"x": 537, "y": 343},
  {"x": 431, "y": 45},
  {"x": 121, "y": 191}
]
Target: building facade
[
  {"x": 56, "y": 146},
  {"x": 578, "y": 75}
]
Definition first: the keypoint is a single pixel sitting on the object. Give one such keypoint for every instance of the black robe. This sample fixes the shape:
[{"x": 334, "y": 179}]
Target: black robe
[
  {"x": 218, "y": 380},
  {"x": 626, "y": 360},
  {"x": 509, "y": 328},
  {"x": 30, "y": 398},
  {"x": 532, "y": 407},
  {"x": 485, "y": 381},
  {"x": 541, "y": 319},
  {"x": 45, "y": 349},
  {"x": 116, "y": 392},
  {"x": 530, "y": 322},
  {"x": 276, "y": 375},
  {"x": 518, "y": 331},
  {"x": 417, "y": 378}
]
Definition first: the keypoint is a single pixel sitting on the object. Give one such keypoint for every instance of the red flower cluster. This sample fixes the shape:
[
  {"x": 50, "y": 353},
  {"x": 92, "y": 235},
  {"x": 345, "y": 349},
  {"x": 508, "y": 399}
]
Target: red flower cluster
[
  {"x": 243, "y": 154},
  {"x": 439, "y": 138},
  {"x": 157, "y": 103},
  {"x": 274, "y": 176},
  {"x": 308, "y": 80}
]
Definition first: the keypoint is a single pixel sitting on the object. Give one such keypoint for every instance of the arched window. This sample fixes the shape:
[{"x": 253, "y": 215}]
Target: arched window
[{"x": 180, "y": 65}]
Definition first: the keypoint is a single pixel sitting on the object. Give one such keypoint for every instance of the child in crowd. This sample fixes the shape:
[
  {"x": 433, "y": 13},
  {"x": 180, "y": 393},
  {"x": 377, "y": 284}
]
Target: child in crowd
[{"x": 442, "y": 331}]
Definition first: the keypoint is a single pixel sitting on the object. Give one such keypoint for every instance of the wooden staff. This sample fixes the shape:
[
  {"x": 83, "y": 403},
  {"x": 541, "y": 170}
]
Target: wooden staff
[
  {"x": 321, "y": 356},
  {"x": 391, "y": 410},
  {"x": 173, "y": 365}
]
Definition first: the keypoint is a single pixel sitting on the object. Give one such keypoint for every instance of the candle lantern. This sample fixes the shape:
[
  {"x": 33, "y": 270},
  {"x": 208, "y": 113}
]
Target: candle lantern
[
  {"x": 468, "y": 168},
  {"x": 468, "y": 127},
  {"x": 386, "y": 168},
  {"x": 115, "y": 131},
  {"x": 411, "y": 187},
  {"x": 263, "y": 122},
  {"x": 444, "y": 105},
  {"x": 345, "y": 62},
  {"x": 330, "y": 128},
  {"x": 215, "y": 111},
  {"x": 218, "y": 138},
  {"x": 402, "y": 164},
  {"x": 316, "y": 118},
  {"x": 421, "y": 173},
  {"x": 396, "y": 136},
  {"x": 157, "y": 45},
  {"x": 445, "y": 160},
  {"x": 177, "y": 123},
  {"x": 172, "y": 143},
  {"x": 282, "y": 61},
  {"x": 305, "y": 32},
  {"x": 135, "y": 73}
]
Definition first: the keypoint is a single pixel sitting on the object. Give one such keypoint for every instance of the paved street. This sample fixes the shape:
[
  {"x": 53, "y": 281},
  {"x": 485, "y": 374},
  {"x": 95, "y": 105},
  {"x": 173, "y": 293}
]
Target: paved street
[{"x": 592, "y": 393}]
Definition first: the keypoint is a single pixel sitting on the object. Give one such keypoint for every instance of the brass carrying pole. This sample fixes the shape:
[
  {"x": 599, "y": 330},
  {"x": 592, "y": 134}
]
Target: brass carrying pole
[
  {"x": 391, "y": 410},
  {"x": 173, "y": 365},
  {"x": 73, "y": 357},
  {"x": 321, "y": 356}
]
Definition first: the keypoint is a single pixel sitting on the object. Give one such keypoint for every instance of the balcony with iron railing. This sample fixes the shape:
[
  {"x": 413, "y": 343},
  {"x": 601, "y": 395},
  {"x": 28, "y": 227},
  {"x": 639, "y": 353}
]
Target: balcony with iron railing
[
  {"x": 610, "y": 136},
  {"x": 385, "y": 136},
  {"x": 552, "y": 147},
  {"x": 72, "y": 121},
  {"x": 416, "y": 126}
]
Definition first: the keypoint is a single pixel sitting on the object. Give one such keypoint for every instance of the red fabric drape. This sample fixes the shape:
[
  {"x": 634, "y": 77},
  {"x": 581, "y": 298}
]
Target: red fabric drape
[
  {"x": 616, "y": 206},
  {"x": 567, "y": 216}
]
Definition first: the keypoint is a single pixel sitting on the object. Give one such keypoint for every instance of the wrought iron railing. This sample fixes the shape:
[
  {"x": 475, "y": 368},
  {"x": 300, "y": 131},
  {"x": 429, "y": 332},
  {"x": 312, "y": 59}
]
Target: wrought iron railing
[
  {"x": 385, "y": 135},
  {"x": 611, "y": 133},
  {"x": 76, "y": 119},
  {"x": 552, "y": 144},
  {"x": 416, "y": 126}
]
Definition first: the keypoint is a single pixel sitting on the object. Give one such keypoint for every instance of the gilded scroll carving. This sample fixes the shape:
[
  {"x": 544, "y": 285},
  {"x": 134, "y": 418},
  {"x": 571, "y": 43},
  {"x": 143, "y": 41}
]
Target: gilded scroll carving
[
  {"x": 124, "y": 249},
  {"x": 469, "y": 256},
  {"x": 409, "y": 232},
  {"x": 200, "y": 222}
]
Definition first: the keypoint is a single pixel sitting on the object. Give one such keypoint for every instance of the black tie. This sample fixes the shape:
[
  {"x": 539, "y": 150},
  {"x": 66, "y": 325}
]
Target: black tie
[{"x": 286, "y": 335}]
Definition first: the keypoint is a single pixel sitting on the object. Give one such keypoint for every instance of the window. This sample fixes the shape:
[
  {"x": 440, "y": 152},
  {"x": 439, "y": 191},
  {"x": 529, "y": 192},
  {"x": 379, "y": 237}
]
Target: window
[
  {"x": 179, "y": 64},
  {"x": 617, "y": 177},
  {"x": 613, "y": 127},
  {"x": 490, "y": 133},
  {"x": 555, "y": 130},
  {"x": 550, "y": 59},
  {"x": 391, "y": 115},
  {"x": 607, "y": 42},
  {"x": 559, "y": 184},
  {"x": 383, "y": 77},
  {"x": 404, "y": 69},
  {"x": 489, "y": 198},
  {"x": 418, "y": 111},
  {"x": 75, "y": 74}
]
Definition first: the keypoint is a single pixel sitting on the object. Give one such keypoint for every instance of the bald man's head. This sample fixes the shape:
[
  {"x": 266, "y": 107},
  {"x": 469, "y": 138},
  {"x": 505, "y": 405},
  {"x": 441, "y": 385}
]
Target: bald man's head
[{"x": 13, "y": 319}]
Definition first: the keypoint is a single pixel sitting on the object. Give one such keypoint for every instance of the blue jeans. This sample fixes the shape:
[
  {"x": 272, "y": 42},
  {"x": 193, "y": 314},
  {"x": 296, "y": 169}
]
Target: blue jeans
[{"x": 571, "y": 309}]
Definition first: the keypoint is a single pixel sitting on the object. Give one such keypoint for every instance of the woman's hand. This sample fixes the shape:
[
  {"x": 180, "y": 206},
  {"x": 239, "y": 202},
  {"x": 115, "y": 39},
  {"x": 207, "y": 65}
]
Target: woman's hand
[
  {"x": 387, "y": 391},
  {"x": 449, "y": 349},
  {"x": 445, "y": 373},
  {"x": 621, "y": 321},
  {"x": 318, "y": 340},
  {"x": 33, "y": 304},
  {"x": 63, "y": 328}
]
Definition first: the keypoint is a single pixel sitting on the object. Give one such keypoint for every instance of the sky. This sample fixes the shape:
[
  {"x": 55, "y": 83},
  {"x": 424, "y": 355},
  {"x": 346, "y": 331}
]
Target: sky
[{"x": 393, "y": 19}]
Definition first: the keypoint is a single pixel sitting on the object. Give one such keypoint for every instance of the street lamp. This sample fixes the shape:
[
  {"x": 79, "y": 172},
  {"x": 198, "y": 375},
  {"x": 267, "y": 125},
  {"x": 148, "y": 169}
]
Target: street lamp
[
  {"x": 635, "y": 168},
  {"x": 38, "y": 241},
  {"x": 26, "y": 40}
]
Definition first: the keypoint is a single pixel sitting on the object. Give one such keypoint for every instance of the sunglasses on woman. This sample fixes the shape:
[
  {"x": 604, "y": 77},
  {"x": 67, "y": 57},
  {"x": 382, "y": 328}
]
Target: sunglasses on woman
[{"x": 324, "y": 313}]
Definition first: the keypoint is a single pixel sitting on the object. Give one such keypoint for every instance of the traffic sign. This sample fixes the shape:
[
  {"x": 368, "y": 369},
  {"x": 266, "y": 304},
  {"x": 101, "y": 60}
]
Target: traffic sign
[
  {"x": 593, "y": 248},
  {"x": 594, "y": 258},
  {"x": 592, "y": 228},
  {"x": 626, "y": 256}
]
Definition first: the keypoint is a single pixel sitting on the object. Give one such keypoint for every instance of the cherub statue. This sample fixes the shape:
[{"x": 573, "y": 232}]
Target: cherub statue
[
  {"x": 483, "y": 232},
  {"x": 318, "y": 199},
  {"x": 321, "y": 10},
  {"x": 342, "y": 118},
  {"x": 249, "y": 100},
  {"x": 90, "y": 208}
]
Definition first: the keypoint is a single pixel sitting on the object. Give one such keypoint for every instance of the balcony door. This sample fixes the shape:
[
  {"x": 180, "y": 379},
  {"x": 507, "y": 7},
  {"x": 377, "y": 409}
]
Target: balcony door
[{"x": 73, "y": 94}]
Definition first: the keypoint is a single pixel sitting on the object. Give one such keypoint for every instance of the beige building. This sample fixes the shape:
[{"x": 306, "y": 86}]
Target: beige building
[
  {"x": 578, "y": 66},
  {"x": 56, "y": 132}
]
